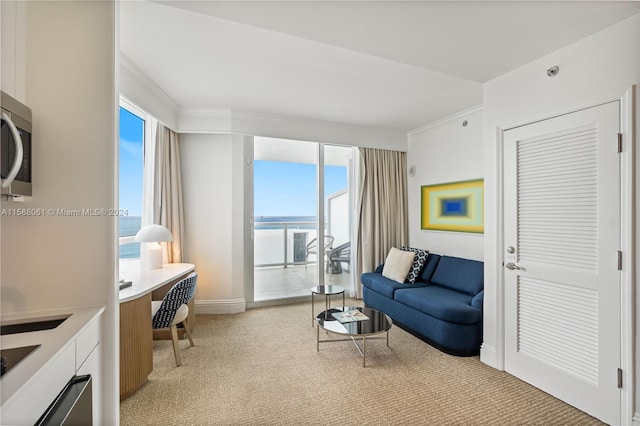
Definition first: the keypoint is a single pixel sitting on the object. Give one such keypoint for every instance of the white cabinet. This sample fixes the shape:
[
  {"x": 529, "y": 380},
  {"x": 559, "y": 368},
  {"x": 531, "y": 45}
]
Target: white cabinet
[
  {"x": 13, "y": 59},
  {"x": 87, "y": 341},
  {"x": 91, "y": 366},
  {"x": 73, "y": 348},
  {"x": 88, "y": 361}
]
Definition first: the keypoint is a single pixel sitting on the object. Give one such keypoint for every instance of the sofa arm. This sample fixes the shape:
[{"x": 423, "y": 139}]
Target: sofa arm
[
  {"x": 379, "y": 269},
  {"x": 477, "y": 300}
]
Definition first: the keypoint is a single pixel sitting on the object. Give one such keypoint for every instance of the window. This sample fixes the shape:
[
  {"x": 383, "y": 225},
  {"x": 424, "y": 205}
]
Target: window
[
  {"x": 132, "y": 137},
  {"x": 300, "y": 191}
]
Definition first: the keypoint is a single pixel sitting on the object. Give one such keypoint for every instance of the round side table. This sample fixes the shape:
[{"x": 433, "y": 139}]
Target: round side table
[{"x": 327, "y": 291}]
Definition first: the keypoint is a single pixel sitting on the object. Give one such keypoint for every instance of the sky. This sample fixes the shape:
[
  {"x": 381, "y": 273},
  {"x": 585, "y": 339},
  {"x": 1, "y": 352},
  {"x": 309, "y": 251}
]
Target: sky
[
  {"x": 280, "y": 188},
  {"x": 289, "y": 189},
  {"x": 131, "y": 162}
]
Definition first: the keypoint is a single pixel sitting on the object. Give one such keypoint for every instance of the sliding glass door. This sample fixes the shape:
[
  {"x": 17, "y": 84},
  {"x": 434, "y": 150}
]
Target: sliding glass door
[
  {"x": 337, "y": 213},
  {"x": 293, "y": 237}
]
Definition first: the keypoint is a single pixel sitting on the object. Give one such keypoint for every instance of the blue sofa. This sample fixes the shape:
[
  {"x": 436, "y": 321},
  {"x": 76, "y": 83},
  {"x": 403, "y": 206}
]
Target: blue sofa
[{"x": 443, "y": 307}]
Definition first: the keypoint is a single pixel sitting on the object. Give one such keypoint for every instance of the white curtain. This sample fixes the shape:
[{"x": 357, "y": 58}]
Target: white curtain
[
  {"x": 167, "y": 191},
  {"x": 148, "y": 171},
  {"x": 382, "y": 209}
]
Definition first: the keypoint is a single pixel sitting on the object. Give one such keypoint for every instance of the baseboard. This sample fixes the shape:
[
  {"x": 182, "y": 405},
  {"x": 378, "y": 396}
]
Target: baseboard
[
  {"x": 231, "y": 306},
  {"x": 489, "y": 356}
]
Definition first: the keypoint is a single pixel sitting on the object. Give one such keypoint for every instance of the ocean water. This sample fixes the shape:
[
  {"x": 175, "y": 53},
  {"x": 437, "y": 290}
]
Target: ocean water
[{"x": 129, "y": 225}]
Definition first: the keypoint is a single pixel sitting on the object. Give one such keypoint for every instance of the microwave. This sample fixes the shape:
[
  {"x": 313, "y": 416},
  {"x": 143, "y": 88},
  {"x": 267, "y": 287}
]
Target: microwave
[{"x": 15, "y": 149}]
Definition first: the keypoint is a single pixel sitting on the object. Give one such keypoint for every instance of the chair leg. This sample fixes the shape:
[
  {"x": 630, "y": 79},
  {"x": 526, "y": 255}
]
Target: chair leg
[
  {"x": 185, "y": 324},
  {"x": 176, "y": 348}
]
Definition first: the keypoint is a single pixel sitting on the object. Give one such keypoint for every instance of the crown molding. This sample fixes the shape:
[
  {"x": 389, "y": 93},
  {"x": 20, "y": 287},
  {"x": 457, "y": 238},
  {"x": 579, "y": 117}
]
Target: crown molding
[
  {"x": 456, "y": 116},
  {"x": 150, "y": 84}
]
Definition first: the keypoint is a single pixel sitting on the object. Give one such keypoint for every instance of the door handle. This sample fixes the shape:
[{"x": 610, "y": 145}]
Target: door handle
[
  {"x": 17, "y": 140},
  {"x": 512, "y": 266}
]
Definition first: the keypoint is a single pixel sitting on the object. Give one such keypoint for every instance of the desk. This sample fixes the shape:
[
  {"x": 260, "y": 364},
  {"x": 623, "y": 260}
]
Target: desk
[{"x": 136, "y": 333}]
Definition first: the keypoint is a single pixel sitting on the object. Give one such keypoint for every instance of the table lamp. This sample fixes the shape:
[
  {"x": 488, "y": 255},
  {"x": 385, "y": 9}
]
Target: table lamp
[{"x": 151, "y": 258}]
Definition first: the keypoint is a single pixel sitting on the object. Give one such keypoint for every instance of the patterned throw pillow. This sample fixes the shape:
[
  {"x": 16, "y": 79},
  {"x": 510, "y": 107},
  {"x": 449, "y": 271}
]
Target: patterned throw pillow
[
  {"x": 418, "y": 262},
  {"x": 397, "y": 265}
]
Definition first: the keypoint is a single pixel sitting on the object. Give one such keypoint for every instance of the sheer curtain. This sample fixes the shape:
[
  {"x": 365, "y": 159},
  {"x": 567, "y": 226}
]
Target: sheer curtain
[
  {"x": 382, "y": 208},
  {"x": 167, "y": 191}
]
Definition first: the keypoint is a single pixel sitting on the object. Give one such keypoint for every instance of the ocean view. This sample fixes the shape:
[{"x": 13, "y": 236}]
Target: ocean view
[{"x": 129, "y": 225}]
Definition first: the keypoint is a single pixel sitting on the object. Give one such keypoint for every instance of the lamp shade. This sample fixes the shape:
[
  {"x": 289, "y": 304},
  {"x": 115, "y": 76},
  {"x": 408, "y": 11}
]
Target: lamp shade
[{"x": 153, "y": 234}]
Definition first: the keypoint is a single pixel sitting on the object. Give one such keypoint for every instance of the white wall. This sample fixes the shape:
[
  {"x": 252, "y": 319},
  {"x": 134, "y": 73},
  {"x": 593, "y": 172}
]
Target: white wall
[
  {"x": 590, "y": 70},
  {"x": 443, "y": 152},
  {"x": 52, "y": 261},
  {"x": 212, "y": 202}
]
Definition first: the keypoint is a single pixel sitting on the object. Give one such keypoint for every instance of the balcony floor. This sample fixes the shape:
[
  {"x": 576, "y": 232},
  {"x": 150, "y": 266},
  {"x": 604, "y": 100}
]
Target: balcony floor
[{"x": 294, "y": 281}]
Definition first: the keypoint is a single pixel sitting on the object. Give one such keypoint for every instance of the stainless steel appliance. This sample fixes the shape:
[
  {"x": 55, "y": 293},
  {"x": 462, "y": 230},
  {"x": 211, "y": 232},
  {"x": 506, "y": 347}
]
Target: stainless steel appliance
[
  {"x": 72, "y": 407},
  {"x": 15, "y": 148}
]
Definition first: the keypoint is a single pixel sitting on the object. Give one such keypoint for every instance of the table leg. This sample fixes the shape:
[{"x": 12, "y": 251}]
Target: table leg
[
  {"x": 318, "y": 339},
  {"x": 313, "y": 318},
  {"x": 388, "y": 339},
  {"x": 364, "y": 351},
  {"x": 343, "y": 300}
]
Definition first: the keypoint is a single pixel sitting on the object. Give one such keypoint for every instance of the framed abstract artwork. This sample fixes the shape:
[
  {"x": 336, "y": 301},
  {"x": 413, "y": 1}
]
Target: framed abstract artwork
[{"x": 455, "y": 206}]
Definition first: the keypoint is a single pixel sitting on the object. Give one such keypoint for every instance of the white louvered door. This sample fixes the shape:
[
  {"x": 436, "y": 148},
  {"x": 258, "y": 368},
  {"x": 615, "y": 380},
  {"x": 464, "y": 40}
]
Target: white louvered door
[{"x": 562, "y": 230}]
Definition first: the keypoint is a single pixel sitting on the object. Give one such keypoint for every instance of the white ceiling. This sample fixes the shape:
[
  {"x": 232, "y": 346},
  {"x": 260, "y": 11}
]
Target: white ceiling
[{"x": 390, "y": 65}]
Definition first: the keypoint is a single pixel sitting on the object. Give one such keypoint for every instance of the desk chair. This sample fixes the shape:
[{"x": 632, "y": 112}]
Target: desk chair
[{"x": 173, "y": 310}]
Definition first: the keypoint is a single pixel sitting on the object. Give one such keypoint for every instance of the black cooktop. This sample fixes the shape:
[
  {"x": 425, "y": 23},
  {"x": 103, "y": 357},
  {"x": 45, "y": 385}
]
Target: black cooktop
[{"x": 11, "y": 357}]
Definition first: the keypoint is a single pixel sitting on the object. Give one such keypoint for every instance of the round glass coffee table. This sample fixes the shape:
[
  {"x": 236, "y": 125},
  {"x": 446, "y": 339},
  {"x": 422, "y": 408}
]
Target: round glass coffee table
[
  {"x": 354, "y": 322},
  {"x": 327, "y": 291}
]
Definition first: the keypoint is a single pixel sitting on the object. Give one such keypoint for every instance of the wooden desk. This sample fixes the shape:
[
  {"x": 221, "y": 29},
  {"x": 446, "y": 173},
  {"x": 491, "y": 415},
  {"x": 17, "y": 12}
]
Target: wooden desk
[{"x": 136, "y": 334}]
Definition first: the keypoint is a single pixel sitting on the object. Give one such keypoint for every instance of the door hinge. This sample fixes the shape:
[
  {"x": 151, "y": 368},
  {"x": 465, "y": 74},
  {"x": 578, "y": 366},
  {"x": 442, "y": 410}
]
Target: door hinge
[
  {"x": 619, "y": 260},
  {"x": 619, "y": 142},
  {"x": 619, "y": 378}
]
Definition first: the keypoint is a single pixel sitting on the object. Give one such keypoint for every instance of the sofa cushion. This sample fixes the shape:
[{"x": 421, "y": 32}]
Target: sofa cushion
[
  {"x": 429, "y": 266},
  {"x": 459, "y": 274},
  {"x": 478, "y": 300},
  {"x": 418, "y": 262},
  {"x": 440, "y": 302},
  {"x": 397, "y": 264},
  {"x": 385, "y": 286}
]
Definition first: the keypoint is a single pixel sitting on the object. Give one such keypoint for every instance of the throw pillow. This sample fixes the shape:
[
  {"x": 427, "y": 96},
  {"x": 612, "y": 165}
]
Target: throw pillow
[
  {"x": 397, "y": 265},
  {"x": 418, "y": 263}
]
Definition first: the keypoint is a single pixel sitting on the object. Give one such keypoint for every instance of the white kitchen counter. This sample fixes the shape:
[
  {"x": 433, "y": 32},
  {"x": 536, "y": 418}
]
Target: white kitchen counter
[{"x": 43, "y": 364}]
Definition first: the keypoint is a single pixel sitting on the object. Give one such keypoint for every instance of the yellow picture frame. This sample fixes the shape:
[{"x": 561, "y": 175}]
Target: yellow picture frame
[{"x": 454, "y": 206}]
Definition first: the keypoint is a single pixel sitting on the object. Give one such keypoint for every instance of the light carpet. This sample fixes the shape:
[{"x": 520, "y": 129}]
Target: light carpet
[{"x": 261, "y": 367}]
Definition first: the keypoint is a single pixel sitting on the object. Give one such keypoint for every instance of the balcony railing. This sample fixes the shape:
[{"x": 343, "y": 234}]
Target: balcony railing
[{"x": 282, "y": 243}]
